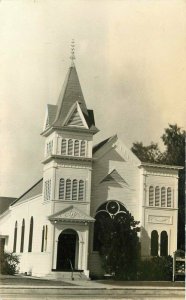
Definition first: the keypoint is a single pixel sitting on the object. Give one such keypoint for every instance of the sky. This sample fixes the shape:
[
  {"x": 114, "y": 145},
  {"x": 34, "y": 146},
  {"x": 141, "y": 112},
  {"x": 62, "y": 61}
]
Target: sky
[{"x": 131, "y": 62}]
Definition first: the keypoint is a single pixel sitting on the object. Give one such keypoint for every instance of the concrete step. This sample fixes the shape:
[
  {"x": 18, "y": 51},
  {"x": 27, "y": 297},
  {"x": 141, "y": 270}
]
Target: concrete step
[{"x": 63, "y": 275}]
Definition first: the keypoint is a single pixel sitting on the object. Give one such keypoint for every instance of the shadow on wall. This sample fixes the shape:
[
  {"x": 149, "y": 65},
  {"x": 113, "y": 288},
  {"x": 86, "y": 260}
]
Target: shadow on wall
[
  {"x": 145, "y": 243},
  {"x": 103, "y": 179}
]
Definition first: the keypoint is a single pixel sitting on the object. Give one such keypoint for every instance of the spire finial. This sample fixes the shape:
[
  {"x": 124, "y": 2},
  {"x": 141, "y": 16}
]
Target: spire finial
[{"x": 72, "y": 56}]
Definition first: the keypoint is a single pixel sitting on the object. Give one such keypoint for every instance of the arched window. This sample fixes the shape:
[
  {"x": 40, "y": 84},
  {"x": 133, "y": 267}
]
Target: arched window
[
  {"x": 154, "y": 243},
  {"x": 151, "y": 196},
  {"x": 68, "y": 190},
  {"x": 164, "y": 244},
  {"x": 74, "y": 189},
  {"x": 46, "y": 236},
  {"x": 169, "y": 196},
  {"x": 42, "y": 239},
  {"x": 15, "y": 237},
  {"x": 82, "y": 150},
  {"x": 81, "y": 190},
  {"x": 22, "y": 236},
  {"x": 163, "y": 200},
  {"x": 157, "y": 196},
  {"x": 76, "y": 148},
  {"x": 70, "y": 147},
  {"x": 61, "y": 188},
  {"x": 30, "y": 235},
  {"x": 107, "y": 213},
  {"x": 63, "y": 147}
]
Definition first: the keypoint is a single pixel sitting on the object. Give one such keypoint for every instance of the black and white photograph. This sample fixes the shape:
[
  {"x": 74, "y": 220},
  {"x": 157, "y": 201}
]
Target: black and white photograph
[{"x": 92, "y": 156}]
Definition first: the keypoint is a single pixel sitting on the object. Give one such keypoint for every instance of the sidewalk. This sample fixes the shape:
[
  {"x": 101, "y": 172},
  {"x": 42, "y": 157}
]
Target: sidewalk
[
  {"x": 21, "y": 288},
  {"x": 28, "y": 281}
]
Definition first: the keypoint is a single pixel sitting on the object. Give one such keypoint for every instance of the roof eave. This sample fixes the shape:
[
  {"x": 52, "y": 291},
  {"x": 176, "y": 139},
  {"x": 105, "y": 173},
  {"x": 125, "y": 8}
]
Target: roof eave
[{"x": 145, "y": 164}]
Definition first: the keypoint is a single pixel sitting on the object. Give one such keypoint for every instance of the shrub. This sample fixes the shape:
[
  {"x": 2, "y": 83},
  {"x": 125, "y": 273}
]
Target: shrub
[
  {"x": 9, "y": 263},
  {"x": 156, "y": 268}
]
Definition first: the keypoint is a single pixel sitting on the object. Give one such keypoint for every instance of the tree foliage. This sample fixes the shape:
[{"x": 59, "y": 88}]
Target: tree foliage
[
  {"x": 174, "y": 154},
  {"x": 149, "y": 153},
  {"x": 119, "y": 245}
]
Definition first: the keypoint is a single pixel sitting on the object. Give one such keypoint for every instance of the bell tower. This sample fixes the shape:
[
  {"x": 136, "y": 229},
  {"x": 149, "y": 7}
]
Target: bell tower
[{"x": 68, "y": 130}]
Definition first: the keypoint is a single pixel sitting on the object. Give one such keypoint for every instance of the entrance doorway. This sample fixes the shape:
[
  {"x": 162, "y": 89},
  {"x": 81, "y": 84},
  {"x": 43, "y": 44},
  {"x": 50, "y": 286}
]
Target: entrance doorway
[{"x": 67, "y": 250}]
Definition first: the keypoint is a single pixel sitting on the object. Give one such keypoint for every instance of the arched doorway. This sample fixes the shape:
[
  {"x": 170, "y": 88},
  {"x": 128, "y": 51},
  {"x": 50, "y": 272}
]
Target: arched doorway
[{"x": 67, "y": 250}]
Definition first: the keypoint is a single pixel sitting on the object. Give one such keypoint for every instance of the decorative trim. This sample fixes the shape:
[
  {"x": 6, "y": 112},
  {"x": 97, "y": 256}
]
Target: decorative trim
[
  {"x": 160, "y": 219},
  {"x": 71, "y": 214}
]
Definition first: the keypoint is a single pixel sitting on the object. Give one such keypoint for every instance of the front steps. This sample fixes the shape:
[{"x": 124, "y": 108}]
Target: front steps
[{"x": 66, "y": 275}]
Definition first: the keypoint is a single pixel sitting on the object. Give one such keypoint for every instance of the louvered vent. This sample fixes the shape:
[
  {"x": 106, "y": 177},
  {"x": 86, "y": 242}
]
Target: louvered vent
[
  {"x": 61, "y": 188},
  {"x": 68, "y": 189},
  {"x": 75, "y": 119}
]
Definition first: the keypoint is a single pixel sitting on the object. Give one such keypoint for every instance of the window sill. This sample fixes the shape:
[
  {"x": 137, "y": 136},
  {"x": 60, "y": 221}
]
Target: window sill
[{"x": 70, "y": 201}]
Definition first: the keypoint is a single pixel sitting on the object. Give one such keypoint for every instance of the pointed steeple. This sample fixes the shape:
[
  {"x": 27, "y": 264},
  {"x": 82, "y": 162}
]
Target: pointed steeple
[
  {"x": 71, "y": 97},
  {"x": 70, "y": 94}
]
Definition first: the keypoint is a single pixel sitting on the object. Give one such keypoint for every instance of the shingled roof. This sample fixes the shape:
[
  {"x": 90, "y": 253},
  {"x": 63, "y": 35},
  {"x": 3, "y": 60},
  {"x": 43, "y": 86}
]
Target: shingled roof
[
  {"x": 5, "y": 202},
  {"x": 70, "y": 95},
  {"x": 35, "y": 190},
  {"x": 52, "y": 109}
]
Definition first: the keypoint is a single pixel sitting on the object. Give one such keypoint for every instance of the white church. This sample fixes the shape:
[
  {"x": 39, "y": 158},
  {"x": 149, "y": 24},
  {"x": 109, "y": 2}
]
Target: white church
[{"x": 52, "y": 226}]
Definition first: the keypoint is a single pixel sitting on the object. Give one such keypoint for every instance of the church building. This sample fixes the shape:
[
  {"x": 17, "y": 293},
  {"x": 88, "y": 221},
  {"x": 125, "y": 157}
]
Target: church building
[{"x": 52, "y": 226}]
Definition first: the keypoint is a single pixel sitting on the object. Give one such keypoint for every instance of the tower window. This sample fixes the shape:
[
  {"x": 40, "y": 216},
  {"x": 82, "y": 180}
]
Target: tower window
[
  {"x": 49, "y": 148},
  {"x": 70, "y": 147},
  {"x": 157, "y": 196},
  {"x": 76, "y": 148},
  {"x": 71, "y": 189},
  {"x": 73, "y": 147},
  {"x": 151, "y": 196},
  {"x": 81, "y": 190},
  {"x": 169, "y": 196},
  {"x": 47, "y": 190},
  {"x": 74, "y": 189},
  {"x": 83, "y": 146},
  {"x": 163, "y": 197},
  {"x": 63, "y": 147},
  {"x": 61, "y": 188},
  {"x": 68, "y": 190}
]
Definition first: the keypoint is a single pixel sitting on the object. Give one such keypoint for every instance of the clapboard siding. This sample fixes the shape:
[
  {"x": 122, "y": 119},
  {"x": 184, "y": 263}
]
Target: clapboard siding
[{"x": 128, "y": 193}]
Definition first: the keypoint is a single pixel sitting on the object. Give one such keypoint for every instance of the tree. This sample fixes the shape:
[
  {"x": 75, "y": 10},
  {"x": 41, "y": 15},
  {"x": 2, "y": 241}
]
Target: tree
[
  {"x": 174, "y": 154},
  {"x": 174, "y": 141},
  {"x": 149, "y": 153},
  {"x": 119, "y": 245}
]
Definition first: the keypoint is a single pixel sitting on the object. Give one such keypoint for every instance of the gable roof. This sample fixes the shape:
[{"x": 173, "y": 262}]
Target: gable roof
[
  {"x": 114, "y": 176},
  {"x": 100, "y": 145},
  {"x": 35, "y": 190},
  {"x": 75, "y": 117},
  {"x": 71, "y": 214}
]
